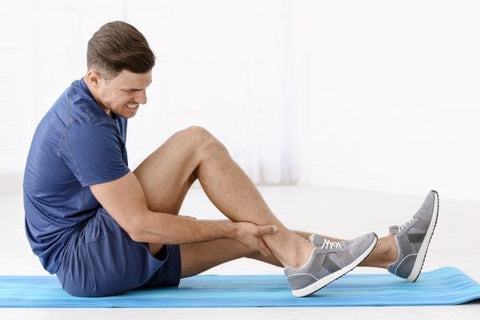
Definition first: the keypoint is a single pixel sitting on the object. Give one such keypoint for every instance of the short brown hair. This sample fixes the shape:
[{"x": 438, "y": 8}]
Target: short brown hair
[{"x": 118, "y": 46}]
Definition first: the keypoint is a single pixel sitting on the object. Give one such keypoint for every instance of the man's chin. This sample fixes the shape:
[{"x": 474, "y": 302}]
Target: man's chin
[{"x": 129, "y": 113}]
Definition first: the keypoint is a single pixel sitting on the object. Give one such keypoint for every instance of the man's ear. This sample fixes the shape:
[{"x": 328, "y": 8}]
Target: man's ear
[{"x": 93, "y": 77}]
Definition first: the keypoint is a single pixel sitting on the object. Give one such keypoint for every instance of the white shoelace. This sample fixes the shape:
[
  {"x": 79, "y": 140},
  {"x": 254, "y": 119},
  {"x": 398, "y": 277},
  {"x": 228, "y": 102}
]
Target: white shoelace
[
  {"x": 327, "y": 244},
  {"x": 406, "y": 224}
]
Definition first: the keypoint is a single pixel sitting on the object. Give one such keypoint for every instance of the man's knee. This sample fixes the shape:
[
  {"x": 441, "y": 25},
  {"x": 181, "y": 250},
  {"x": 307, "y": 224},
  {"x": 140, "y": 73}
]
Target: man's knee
[
  {"x": 197, "y": 133},
  {"x": 204, "y": 142}
]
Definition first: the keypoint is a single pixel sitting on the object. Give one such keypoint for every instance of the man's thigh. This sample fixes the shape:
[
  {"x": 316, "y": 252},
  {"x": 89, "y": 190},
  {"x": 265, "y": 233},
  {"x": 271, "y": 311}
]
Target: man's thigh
[{"x": 167, "y": 174}]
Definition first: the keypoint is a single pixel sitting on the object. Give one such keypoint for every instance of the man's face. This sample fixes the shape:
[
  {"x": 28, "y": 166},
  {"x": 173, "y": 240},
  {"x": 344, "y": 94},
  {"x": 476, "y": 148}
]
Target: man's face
[{"x": 123, "y": 94}]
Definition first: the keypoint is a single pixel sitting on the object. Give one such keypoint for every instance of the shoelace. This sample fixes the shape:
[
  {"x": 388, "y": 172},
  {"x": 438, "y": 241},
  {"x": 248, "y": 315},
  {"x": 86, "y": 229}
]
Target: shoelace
[
  {"x": 327, "y": 244},
  {"x": 406, "y": 224}
]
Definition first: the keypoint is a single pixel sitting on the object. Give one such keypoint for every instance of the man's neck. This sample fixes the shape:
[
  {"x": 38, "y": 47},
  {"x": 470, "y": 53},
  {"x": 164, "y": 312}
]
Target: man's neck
[{"x": 95, "y": 96}]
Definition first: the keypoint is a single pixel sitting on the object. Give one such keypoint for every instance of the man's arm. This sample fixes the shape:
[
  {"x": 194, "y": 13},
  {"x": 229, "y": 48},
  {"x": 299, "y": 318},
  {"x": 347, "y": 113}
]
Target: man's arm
[{"x": 125, "y": 201}]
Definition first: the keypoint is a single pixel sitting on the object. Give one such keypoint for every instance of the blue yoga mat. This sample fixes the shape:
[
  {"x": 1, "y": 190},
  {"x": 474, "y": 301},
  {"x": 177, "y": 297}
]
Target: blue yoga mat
[{"x": 445, "y": 286}]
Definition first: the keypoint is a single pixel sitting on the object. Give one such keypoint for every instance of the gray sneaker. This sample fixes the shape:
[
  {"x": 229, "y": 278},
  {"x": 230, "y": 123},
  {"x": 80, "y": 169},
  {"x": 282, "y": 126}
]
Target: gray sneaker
[
  {"x": 413, "y": 239},
  {"x": 329, "y": 261}
]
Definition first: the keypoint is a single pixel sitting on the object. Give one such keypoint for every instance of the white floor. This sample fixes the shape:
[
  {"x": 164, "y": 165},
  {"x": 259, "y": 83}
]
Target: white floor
[{"x": 341, "y": 213}]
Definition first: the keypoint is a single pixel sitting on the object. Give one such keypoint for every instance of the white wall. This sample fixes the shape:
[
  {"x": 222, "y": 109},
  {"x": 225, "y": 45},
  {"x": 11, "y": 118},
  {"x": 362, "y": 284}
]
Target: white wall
[
  {"x": 15, "y": 81},
  {"x": 42, "y": 51},
  {"x": 387, "y": 91},
  {"x": 223, "y": 65},
  {"x": 392, "y": 95}
]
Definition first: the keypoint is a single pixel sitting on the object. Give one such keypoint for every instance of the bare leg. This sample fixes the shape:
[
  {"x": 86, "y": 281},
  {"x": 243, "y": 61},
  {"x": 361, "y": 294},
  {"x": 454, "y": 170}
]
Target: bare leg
[
  {"x": 234, "y": 194},
  {"x": 167, "y": 174},
  {"x": 194, "y": 154},
  {"x": 200, "y": 257}
]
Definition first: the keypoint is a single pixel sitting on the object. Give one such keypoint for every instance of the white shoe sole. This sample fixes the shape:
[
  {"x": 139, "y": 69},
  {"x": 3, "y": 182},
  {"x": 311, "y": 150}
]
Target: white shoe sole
[
  {"x": 314, "y": 287},
  {"x": 418, "y": 265}
]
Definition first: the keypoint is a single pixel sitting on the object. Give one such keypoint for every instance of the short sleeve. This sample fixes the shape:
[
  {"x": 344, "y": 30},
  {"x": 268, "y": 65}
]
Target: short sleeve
[{"x": 94, "y": 152}]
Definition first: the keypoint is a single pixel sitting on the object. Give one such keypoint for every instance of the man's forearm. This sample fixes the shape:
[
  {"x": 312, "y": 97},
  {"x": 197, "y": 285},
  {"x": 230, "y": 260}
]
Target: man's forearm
[{"x": 155, "y": 227}]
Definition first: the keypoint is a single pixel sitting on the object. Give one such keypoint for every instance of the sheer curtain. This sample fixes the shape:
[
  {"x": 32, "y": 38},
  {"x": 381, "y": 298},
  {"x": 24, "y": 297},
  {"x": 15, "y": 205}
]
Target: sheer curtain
[{"x": 223, "y": 65}]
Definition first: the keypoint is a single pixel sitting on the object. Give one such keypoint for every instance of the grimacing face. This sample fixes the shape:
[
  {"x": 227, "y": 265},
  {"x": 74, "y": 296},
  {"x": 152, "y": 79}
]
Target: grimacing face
[{"x": 121, "y": 95}]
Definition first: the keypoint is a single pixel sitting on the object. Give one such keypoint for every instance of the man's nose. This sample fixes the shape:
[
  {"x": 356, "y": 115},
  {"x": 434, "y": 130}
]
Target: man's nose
[{"x": 141, "y": 97}]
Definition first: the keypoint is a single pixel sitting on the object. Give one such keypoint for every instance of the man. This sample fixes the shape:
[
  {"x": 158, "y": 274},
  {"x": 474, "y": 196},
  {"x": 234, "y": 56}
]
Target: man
[{"x": 104, "y": 229}]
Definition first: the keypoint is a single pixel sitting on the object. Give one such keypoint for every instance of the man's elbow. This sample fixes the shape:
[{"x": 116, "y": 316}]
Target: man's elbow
[
  {"x": 137, "y": 235},
  {"x": 136, "y": 228}
]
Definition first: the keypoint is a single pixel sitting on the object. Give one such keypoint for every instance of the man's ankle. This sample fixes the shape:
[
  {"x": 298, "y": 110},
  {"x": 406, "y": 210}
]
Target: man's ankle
[{"x": 301, "y": 254}]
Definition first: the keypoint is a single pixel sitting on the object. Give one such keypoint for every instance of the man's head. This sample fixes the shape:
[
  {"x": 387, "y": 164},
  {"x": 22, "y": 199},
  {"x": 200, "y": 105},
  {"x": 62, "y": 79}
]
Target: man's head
[
  {"x": 120, "y": 63},
  {"x": 118, "y": 46}
]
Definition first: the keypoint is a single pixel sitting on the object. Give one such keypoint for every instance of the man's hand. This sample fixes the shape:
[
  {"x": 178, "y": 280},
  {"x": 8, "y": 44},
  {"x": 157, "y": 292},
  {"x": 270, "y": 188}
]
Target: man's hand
[
  {"x": 251, "y": 235},
  {"x": 125, "y": 201}
]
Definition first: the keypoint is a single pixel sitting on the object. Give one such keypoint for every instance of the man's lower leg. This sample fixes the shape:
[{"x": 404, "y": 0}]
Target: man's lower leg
[{"x": 235, "y": 195}]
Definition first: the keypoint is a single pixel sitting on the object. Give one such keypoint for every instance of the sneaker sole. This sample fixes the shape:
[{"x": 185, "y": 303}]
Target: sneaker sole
[
  {"x": 422, "y": 253},
  {"x": 314, "y": 287}
]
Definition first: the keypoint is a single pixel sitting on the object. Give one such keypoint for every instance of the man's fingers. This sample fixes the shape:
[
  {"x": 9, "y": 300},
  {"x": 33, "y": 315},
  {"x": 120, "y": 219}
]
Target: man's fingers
[
  {"x": 269, "y": 229},
  {"x": 264, "y": 249},
  {"x": 264, "y": 230},
  {"x": 252, "y": 236}
]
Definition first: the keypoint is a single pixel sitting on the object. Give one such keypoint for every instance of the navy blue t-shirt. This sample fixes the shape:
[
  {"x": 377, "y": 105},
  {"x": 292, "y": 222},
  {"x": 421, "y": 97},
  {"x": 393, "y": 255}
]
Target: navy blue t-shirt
[{"x": 75, "y": 145}]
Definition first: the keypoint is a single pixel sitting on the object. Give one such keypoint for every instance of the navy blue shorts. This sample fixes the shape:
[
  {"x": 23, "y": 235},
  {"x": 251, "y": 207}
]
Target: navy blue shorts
[{"x": 100, "y": 259}]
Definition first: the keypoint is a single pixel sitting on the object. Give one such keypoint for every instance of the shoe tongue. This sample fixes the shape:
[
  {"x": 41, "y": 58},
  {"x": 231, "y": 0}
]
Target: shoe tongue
[
  {"x": 394, "y": 229},
  {"x": 316, "y": 240}
]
